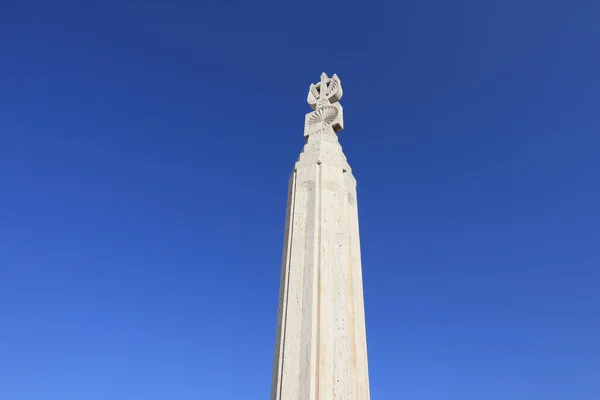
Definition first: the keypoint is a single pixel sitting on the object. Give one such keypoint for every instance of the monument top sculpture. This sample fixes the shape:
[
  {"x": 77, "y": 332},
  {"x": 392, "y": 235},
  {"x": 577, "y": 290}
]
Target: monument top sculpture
[
  {"x": 318, "y": 98},
  {"x": 324, "y": 98}
]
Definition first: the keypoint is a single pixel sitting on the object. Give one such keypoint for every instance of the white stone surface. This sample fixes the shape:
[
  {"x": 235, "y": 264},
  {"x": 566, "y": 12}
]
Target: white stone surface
[{"x": 320, "y": 349}]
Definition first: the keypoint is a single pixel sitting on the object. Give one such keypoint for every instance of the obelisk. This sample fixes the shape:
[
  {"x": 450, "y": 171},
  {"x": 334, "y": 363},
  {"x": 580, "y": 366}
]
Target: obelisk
[{"x": 321, "y": 349}]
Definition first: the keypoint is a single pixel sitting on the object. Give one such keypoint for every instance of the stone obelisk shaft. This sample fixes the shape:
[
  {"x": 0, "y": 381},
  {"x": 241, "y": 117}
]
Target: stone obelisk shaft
[{"x": 321, "y": 351}]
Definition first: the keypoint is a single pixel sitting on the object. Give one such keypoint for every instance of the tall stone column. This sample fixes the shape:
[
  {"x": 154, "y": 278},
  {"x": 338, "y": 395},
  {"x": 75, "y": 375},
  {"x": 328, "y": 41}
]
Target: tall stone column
[{"x": 320, "y": 349}]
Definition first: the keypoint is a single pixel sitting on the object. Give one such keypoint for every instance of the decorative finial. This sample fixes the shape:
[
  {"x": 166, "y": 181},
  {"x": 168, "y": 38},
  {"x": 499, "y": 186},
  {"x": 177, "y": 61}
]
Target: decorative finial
[
  {"x": 324, "y": 97},
  {"x": 328, "y": 91}
]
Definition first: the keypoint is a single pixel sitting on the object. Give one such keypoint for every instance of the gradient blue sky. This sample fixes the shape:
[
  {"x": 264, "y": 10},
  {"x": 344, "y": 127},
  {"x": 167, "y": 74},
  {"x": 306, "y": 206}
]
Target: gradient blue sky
[{"x": 145, "y": 149}]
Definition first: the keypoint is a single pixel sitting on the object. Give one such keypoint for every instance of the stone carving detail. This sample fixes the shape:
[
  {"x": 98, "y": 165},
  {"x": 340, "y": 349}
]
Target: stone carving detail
[
  {"x": 324, "y": 116},
  {"x": 333, "y": 91},
  {"x": 324, "y": 97}
]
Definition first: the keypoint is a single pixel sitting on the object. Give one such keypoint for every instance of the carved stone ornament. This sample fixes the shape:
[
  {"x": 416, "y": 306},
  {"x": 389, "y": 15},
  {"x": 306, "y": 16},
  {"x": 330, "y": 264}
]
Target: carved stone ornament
[{"x": 324, "y": 97}]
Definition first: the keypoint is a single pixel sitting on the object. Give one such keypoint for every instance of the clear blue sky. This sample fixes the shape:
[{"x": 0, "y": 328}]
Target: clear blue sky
[{"x": 145, "y": 149}]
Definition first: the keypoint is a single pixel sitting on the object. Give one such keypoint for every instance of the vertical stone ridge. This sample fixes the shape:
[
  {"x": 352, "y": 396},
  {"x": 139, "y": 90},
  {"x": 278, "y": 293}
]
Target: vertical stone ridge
[
  {"x": 318, "y": 288},
  {"x": 360, "y": 326},
  {"x": 351, "y": 279},
  {"x": 284, "y": 290}
]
